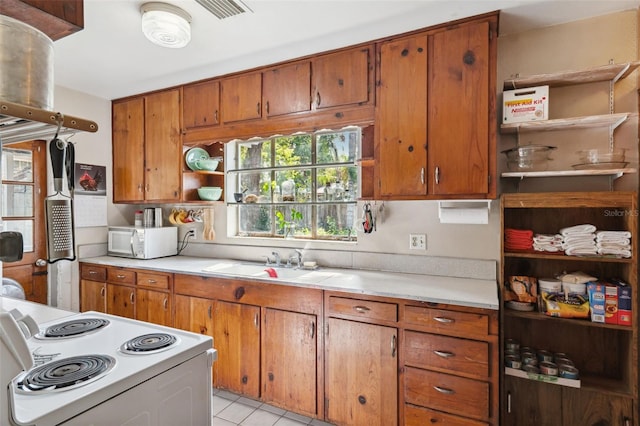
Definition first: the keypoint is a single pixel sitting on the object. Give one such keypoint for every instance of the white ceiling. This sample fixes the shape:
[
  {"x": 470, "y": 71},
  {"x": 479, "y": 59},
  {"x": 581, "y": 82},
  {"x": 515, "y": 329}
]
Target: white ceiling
[{"x": 110, "y": 58}]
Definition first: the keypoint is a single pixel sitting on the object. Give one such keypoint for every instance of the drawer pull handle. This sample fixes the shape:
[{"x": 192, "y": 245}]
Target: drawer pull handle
[
  {"x": 151, "y": 281},
  {"x": 444, "y": 320},
  {"x": 361, "y": 309},
  {"x": 120, "y": 277},
  {"x": 313, "y": 329},
  {"x": 131, "y": 298},
  {"x": 446, "y": 391},
  {"x": 165, "y": 303},
  {"x": 93, "y": 272},
  {"x": 103, "y": 291},
  {"x": 209, "y": 311},
  {"x": 393, "y": 346},
  {"x": 256, "y": 322},
  {"x": 444, "y": 354}
]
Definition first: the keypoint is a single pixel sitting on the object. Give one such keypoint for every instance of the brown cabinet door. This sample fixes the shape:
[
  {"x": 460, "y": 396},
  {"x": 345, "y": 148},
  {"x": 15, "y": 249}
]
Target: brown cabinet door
[
  {"x": 128, "y": 150},
  {"x": 583, "y": 407},
  {"x": 531, "y": 403},
  {"x": 163, "y": 146},
  {"x": 290, "y": 361},
  {"x": 93, "y": 296},
  {"x": 361, "y": 376},
  {"x": 287, "y": 89},
  {"x": 201, "y": 104},
  {"x": 401, "y": 121},
  {"x": 241, "y": 98},
  {"x": 236, "y": 336},
  {"x": 121, "y": 300},
  {"x": 459, "y": 110},
  {"x": 194, "y": 314},
  {"x": 341, "y": 78},
  {"x": 153, "y": 306}
]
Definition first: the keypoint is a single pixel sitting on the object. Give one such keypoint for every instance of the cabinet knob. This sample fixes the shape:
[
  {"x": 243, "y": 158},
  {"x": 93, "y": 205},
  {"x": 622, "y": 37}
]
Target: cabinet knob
[
  {"x": 362, "y": 400},
  {"x": 245, "y": 379}
]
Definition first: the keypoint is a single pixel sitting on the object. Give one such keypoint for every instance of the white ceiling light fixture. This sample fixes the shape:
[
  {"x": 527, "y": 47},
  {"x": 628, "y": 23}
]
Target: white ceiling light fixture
[{"x": 165, "y": 24}]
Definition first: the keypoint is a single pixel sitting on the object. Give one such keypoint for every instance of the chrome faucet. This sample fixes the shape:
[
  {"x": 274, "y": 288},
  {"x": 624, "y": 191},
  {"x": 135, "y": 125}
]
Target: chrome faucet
[
  {"x": 276, "y": 257},
  {"x": 297, "y": 257}
]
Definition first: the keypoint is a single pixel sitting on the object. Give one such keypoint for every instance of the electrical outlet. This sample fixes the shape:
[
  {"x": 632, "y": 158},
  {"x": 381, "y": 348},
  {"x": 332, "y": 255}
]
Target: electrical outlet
[{"x": 417, "y": 242}]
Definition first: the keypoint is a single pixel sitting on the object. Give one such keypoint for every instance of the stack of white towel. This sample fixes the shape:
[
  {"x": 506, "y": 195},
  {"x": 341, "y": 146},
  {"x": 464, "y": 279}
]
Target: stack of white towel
[
  {"x": 547, "y": 242},
  {"x": 617, "y": 243},
  {"x": 579, "y": 240}
]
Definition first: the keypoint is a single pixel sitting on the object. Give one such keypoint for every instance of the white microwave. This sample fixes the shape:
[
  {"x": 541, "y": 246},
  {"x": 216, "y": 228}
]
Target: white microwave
[{"x": 142, "y": 243}]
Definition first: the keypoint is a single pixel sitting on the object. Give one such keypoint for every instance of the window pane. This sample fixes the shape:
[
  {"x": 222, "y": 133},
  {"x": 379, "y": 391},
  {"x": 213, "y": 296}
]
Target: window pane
[
  {"x": 337, "y": 184},
  {"x": 25, "y": 227},
  {"x": 17, "y": 165},
  {"x": 293, "y": 221},
  {"x": 254, "y": 154},
  {"x": 257, "y": 183},
  {"x": 336, "y": 221},
  {"x": 293, "y": 150},
  {"x": 293, "y": 185},
  {"x": 17, "y": 200},
  {"x": 337, "y": 147},
  {"x": 255, "y": 219}
]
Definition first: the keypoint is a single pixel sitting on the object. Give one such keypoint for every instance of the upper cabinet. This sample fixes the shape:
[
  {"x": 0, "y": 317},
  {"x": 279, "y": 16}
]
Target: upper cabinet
[
  {"x": 286, "y": 89},
  {"x": 147, "y": 148},
  {"x": 435, "y": 114},
  {"x": 201, "y": 104},
  {"x": 241, "y": 97},
  {"x": 57, "y": 19},
  {"x": 342, "y": 78}
]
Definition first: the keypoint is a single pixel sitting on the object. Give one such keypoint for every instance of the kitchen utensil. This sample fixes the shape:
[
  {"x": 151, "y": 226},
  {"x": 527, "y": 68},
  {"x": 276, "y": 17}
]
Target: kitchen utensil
[
  {"x": 210, "y": 193},
  {"x": 157, "y": 220},
  {"x": 193, "y": 155},
  {"x": 368, "y": 223},
  {"x": 238, "y": 196},
  {"x": 597, "y": 156},
  {"x": 208, "y": 232},
  {"x": 147, "y": 219},
  {"x": 69, "y": 165},
  {"x": 59, "y": 209}
]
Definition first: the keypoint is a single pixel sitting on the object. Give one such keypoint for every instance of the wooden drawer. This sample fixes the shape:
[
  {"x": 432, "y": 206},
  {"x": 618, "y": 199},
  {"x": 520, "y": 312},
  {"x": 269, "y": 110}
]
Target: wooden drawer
[
  {"x": 419, "y": 416},
  {"x": 153, "y": 280},
  {"x": 448, "y": 322},
  {"x": 363, "y": 308},
  {"x": 93, "y": 273},
  {"x": 448, "y": 393},
  {"x": 121, "y": 276},
  {"x": 434, "y": 351}
]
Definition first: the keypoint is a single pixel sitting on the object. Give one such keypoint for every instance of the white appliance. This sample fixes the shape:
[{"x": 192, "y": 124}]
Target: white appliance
[
  {"x": 98, "y": 369},
  {"x": 142, "y": 243}
]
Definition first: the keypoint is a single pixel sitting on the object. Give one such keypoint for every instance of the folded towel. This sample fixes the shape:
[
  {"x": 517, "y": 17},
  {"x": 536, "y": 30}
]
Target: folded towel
[
  {"x": 589, "y": 238},
  {"x": 600, "y": 235},
  {"x": 578, "y": 229},
  {"x": 610, "y": 244},
  {"x": 580, "y": 251},
  {"x": 616, "y": 252}
]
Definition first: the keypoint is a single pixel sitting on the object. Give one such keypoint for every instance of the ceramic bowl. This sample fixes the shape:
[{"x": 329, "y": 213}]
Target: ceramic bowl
[
  {"x": 210, "y": 193},
  {"x": 209, "y": 164}
]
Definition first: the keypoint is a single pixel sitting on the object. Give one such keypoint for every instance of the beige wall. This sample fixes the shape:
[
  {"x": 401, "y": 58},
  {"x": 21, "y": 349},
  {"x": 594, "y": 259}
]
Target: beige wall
[{"x": 575, "y": 45}]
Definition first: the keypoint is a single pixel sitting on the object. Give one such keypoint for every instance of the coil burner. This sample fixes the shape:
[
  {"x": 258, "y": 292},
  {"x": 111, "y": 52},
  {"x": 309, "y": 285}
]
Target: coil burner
[
  {"x": 66, "y": 373},
  {"x": 73, "y": 328},
  {"x": 148, "y": 343}
]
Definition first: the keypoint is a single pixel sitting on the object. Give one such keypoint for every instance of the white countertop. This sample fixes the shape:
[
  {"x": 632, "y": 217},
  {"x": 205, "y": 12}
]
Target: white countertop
[
  {"x": 479, "y": 293},
  {"x": 39, "y": 312}
]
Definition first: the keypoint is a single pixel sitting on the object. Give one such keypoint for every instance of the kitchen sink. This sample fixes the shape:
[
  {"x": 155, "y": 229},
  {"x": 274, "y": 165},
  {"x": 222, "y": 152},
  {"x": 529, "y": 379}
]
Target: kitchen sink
[{"x": 255, "y": 270}]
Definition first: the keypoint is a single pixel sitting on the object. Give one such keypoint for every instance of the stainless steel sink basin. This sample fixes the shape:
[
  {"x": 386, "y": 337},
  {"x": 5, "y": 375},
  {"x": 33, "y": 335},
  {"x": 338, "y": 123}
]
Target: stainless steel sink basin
[{"x": 254, "y": 270}]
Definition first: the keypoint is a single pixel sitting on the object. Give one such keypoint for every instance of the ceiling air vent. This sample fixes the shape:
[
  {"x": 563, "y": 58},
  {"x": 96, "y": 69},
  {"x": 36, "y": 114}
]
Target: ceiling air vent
[{"x": 224, "y": 8}]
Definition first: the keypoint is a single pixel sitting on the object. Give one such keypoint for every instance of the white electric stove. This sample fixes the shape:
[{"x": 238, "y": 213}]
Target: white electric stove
[{"x": 98, "y": 369}]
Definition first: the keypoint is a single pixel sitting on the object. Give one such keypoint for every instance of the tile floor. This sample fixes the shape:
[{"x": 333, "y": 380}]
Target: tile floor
[{"x": 230, "y": 409}]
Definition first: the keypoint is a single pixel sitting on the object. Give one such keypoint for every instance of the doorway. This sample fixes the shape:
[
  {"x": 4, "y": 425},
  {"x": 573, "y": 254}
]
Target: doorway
[{"x": 24, "y": 178}]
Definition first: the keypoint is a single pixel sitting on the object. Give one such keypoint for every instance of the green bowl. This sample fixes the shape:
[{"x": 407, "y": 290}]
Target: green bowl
[
  {"x": 210, "y": 193},
  {"x": 209, "y": 164}
]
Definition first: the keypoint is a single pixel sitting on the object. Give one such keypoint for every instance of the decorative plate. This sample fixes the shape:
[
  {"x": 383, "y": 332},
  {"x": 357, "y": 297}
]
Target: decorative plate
[{"x": 193, "y": 155}]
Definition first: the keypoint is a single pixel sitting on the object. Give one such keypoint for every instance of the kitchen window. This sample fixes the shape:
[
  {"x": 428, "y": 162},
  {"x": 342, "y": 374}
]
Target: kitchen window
[{"x": 300, "y": 186}]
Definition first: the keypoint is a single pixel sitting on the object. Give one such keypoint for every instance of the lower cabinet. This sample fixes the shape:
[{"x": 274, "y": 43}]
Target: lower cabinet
[
  {"x": 289, "y": 360},
  {"x": 93, "y": 288}
]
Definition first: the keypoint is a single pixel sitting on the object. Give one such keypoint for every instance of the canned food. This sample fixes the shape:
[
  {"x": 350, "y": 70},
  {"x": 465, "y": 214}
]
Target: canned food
[
  {"x": 548, "y": 368},
  {"x": 512, "y": 345},
  {"x": 511, "y": 352},
  {"x": 529, "y": 359},
  {"x": 531, "y": 369},
  {"x": 563, "y": 361},
  {"x": 568, "y": 372},
  {"x": 545, "y": 356},
  {"x": 512, "y": 361}
]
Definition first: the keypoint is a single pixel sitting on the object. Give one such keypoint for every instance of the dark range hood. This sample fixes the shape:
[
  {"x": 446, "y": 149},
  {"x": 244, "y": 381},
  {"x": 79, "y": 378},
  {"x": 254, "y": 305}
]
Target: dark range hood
[{"x": 19, "y": 123}]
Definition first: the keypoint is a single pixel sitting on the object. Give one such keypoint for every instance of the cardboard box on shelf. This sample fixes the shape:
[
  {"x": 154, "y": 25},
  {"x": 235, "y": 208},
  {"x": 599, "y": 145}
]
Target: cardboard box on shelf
[
  {"x": 624, "y": 303},
  {"x": 596, "y": 301},
  {"x": 528, "y": 104},
  {"x": 611, "y": 303}
]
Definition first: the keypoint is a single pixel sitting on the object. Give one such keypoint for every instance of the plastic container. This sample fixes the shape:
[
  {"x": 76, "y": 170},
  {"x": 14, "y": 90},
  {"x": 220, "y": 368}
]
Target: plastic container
[
  {"x": 138, "y": 219},
  {"x": 575, "y": 288},
  {"x": 596, "y": 156},
  {"x": 550, "y": 285}
]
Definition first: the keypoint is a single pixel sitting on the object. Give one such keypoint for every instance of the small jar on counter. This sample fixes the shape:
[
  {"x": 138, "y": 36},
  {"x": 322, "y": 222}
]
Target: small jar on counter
[{"x": 138, "y": 219}]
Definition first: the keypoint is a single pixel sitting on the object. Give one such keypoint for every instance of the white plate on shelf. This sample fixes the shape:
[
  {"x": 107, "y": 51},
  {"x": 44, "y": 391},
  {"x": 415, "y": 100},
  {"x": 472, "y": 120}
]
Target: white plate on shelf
[{"x": 193, "y": 155}]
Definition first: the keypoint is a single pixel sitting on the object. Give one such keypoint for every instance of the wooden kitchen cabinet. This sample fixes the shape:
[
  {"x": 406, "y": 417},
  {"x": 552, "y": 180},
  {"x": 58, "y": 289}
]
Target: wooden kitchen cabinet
[
  {"x": 265, "y": 334},
  {"x": 604, "y": 354},
  {"x": 435, "y": 116},
  {"x": 153, "y": 298},
  {"x": 57, "y": 19},
  {"x": 93, "y": 288},
  {"x": 342, "y": 78},
  {"x": 289, "y": 360},
  {"x": 201, "y": 104},
  {"x": 450, "y": 365},
  {"x": 147, "y": 148},
  {"x": 236, "y": 335},
  {"x": 241, "y": 97},
  {"x": 286, "y": 89},
  {"x": 121, "y": 292},
  {"x": 361, "y": 361}
]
